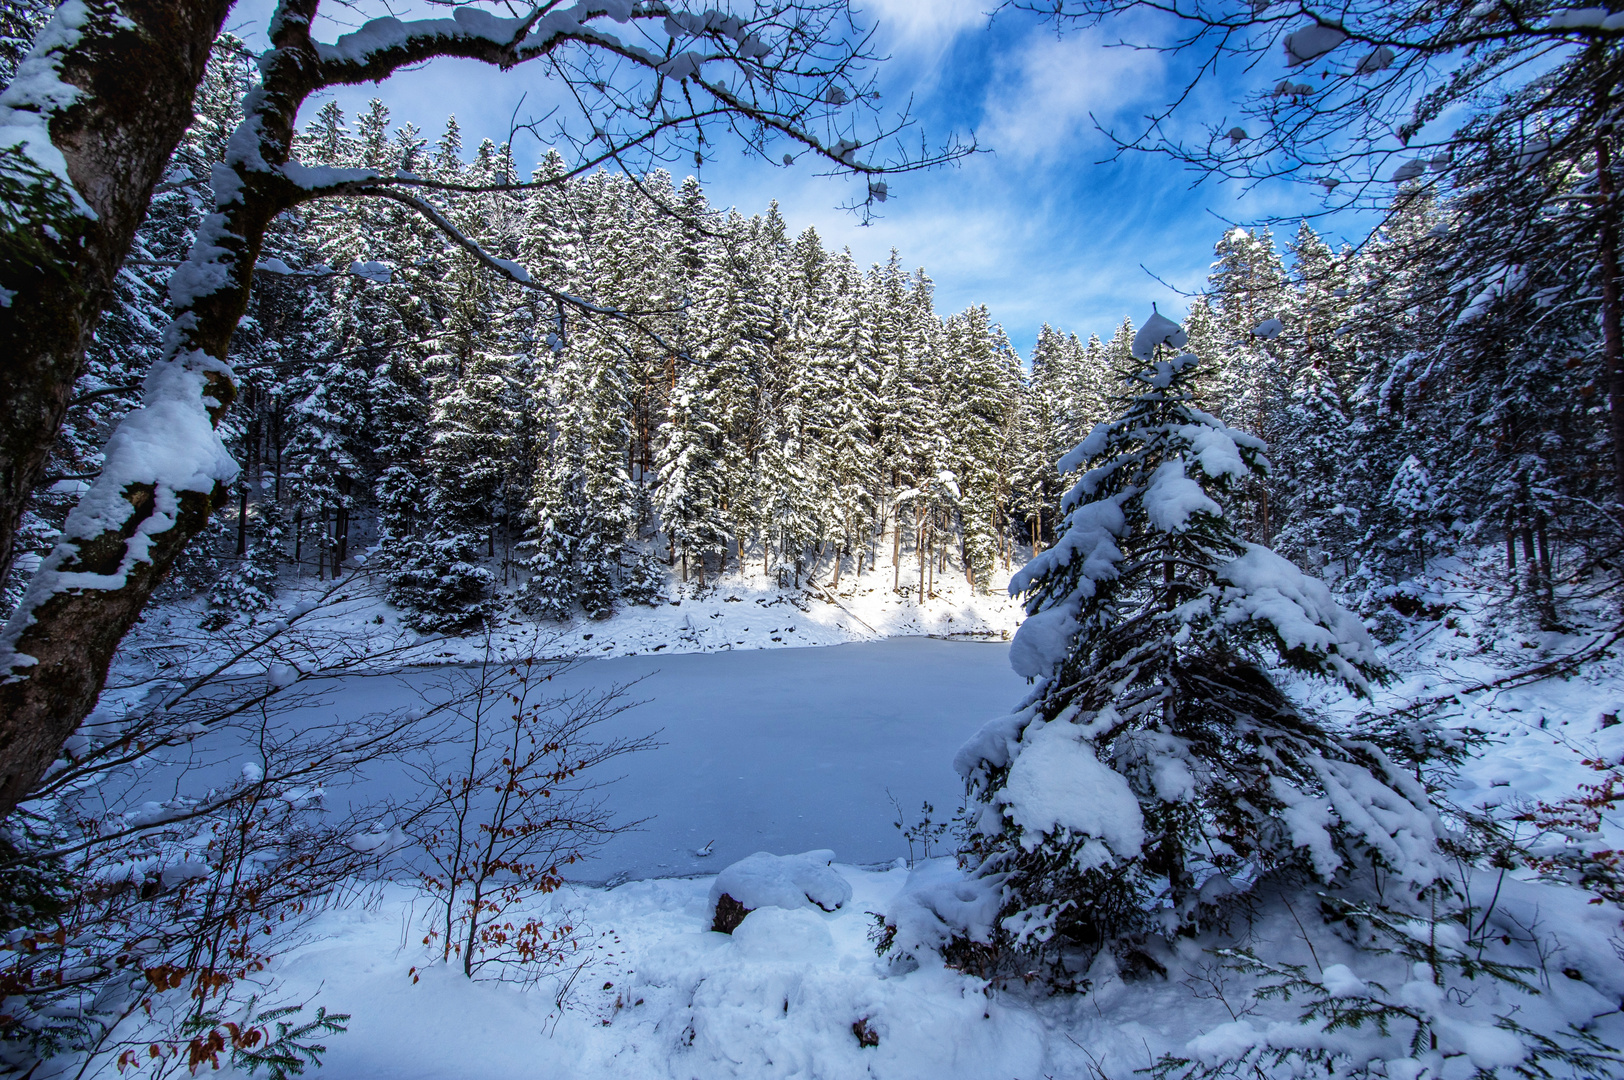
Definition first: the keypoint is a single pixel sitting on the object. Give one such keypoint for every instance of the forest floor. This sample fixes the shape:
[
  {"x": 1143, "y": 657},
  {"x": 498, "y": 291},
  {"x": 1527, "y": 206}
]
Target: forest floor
[
  {"x": 650, "y": 991},
  {"x": 739, "y": 610}
]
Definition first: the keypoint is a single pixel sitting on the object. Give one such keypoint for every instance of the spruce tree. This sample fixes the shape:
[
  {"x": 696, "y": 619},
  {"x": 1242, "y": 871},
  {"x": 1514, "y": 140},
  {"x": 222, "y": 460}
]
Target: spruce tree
[{"x": 1157, "y": 767}]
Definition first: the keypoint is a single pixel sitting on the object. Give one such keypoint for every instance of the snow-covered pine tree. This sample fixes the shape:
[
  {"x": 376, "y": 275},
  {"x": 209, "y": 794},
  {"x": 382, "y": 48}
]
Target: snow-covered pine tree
[
  {"x": 841, "y": 408},
  {"x": 1316, "y": 522},
  {"x": 1527, "y": 451},
  {"x": 1317, "y": 526},
  {"x": 1042, "y": 438},
  {"x": 20, "y": 20},
  {"x": 1247, "y": 295},
  {"x": 689, "y": 494},
  {"x": 983, "y": 383},
  {"x": 1400, "y": 308},
  {"x": 1157, "y": 767},
  {"x": 435, "y": 573},
  {"x": 584, "y": 504},
  {"x": 1090, "y": 385}
]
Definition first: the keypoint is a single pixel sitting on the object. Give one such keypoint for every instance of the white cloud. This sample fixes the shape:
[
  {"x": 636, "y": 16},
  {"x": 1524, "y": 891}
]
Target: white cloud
[
  {"x": 925, "y": 25},
  {"x": 1040, "y": 98}
]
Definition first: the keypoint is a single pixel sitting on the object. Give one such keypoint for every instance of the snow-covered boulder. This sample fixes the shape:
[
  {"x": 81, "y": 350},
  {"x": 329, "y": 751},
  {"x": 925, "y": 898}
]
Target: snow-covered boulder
[{"x": 781, "y": 881}]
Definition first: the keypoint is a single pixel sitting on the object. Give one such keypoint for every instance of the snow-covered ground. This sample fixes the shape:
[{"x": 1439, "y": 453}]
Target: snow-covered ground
[
  {"x": 788, "y": 751},
  {"x": 656, "y": 994},
  {"x": 738, "y": 611}
]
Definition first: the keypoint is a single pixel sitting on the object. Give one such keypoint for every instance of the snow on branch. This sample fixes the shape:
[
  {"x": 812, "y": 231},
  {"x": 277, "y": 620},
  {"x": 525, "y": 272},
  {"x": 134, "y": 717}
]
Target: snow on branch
[
  {"x": 1300, "y": 613},
  {"x": 165, "y": 448}
]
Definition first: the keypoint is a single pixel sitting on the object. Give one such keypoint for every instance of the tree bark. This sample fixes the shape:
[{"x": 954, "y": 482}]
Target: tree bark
[
  {"x": 93, "y": 586},
  {"x": 135, "y": 76}
]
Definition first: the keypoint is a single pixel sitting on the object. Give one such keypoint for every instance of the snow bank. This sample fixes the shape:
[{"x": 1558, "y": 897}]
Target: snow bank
[{"x": 783, "y": 881}]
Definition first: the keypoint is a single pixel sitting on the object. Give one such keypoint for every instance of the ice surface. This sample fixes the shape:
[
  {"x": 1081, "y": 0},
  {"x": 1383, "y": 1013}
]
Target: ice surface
[
  {"x": 779, "y": 750},
  {"x": 662, "y": 997}
]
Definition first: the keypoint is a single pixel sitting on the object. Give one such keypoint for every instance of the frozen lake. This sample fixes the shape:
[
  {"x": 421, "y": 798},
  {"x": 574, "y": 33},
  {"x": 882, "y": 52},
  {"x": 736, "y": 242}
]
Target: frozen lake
[
  {"x": 786, "y": 750},
  {"x": 781, "y": 750}
]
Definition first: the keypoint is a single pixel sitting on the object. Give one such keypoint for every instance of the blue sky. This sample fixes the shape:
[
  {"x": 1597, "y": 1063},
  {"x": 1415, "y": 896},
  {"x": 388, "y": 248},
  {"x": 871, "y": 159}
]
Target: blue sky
[{"x": 1038, "y": 229}]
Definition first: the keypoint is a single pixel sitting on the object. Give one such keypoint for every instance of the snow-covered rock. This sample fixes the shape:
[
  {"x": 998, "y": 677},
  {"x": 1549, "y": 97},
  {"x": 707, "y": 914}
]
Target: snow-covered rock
[
  {"x": 938, "y": 903},
  {"x": 765, "y": 880}
]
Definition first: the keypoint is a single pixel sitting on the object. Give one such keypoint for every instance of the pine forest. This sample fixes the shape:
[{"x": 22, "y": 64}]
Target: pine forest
[{"x": 494, "y": 584}]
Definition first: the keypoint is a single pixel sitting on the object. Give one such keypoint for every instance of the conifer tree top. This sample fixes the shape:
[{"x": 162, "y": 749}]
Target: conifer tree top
[{"x": 1146, "y": 553}]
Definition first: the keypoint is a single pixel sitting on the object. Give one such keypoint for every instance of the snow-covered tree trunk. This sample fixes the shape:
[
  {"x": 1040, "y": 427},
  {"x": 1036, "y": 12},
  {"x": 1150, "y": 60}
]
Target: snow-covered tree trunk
[
  {"x": 87, "y": 127},
  {"x": 166, "y": 469}
]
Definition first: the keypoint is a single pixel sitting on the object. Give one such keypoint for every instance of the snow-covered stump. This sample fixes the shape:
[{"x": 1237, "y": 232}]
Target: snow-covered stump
[{"x": 780, "y": 881}]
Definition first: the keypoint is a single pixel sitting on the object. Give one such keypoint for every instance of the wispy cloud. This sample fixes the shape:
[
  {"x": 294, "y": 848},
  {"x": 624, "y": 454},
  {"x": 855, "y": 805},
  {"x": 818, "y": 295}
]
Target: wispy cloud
[
  {"x": 1041, "y": 97},
  {"x": 922, "y": 25}
]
